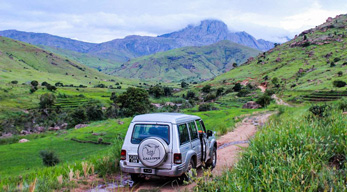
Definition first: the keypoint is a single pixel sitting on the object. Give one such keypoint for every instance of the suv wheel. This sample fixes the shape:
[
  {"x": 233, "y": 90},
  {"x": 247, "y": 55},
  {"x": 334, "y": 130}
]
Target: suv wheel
[
  {"x": 187, "y": 176},
  {"x": 212, "y": 162}
]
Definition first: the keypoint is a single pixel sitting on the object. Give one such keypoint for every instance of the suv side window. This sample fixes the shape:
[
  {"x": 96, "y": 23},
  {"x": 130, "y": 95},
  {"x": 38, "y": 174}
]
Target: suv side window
[
  {"x": 200, "y": 126},
  {"x": 183, "y": 133},
  {"x": 193, "y": 131}
]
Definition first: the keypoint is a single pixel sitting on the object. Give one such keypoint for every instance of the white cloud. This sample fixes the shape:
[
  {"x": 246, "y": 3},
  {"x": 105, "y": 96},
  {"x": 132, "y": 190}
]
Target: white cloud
[{"x": 104, "y": 20}]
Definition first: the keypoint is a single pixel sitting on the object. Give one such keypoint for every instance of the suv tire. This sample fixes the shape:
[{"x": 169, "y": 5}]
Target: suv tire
[
  {"x": 187, "y": 176},
  {"x": 212, "y": 162},
  {"x": 136, "y": 177}
]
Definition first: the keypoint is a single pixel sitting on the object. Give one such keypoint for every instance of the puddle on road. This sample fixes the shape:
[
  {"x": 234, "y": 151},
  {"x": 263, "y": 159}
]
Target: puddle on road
[{"x": 113, "y": 186}]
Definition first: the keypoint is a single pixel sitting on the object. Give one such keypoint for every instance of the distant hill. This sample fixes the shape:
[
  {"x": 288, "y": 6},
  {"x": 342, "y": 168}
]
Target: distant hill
[
  {"x": 311, "y": 61},
  {"x": 188, "y": 63},
  {"x": 24, "y": 62},
  {"x": 121, "y": 50}
]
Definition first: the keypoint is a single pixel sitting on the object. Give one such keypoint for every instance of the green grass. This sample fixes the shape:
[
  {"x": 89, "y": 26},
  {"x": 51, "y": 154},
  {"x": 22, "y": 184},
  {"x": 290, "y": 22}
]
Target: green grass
[
  {"x": 188, "y": 63},
  {"x": 293, "y": 153}
]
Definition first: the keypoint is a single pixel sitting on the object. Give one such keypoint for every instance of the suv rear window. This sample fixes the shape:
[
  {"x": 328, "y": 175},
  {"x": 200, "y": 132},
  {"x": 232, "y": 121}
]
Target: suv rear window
[{"x": 143, "y": 131}]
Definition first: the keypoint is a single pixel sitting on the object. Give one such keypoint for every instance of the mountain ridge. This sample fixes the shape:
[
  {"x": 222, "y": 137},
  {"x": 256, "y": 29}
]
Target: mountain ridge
[{"x": 121, "y": 50}]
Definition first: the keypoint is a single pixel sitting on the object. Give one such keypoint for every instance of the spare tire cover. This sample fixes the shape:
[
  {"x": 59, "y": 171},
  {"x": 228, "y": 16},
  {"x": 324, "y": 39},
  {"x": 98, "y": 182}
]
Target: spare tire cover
[{"x": 152, "y": 151}]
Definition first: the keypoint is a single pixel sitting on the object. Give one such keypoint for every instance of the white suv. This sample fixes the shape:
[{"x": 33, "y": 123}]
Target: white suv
[{"x": 167, "y": 144}]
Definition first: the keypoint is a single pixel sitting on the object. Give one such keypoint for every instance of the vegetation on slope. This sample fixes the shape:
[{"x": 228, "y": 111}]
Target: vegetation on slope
[
  {"x": 312, "y": 60},
  {"x": 189, "y": 63},
  {"x": 297, "y": 150}
]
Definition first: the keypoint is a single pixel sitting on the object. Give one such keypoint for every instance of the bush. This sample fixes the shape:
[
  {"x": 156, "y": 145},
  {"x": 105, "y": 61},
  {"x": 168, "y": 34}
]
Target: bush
[
  {"x": 94, "y": 113},
  {"x": 237, "y": 87},
  {"x": 184, "y": 84},
  {"x": 264, "y": 100},
  {"x": 243, "y": 93},
  {"x": 157, "y": 91},
  {"x": 50, "y": 87},
  {"x": 339, "y": 83},
  {"x": 14, "y": 82},
  {"x": 205, "y": 107},
  {"x": 34, "y": 83},
  {"x": 47, "y": 100},
  {"x": 210, "y": 97},
  {"x": 49, "y": 158},
  {"x": 343, "y": 104},
  {"x": 320, "y": 110},
  {"x": 219, "y": 91},
  {"x": 206, "y": 89},
  {"x": 340, "y": 73},
  {"x": 190, "y": 95},
  {"x": 79, "y": 116},
  {"x": 33, "y": 89}
]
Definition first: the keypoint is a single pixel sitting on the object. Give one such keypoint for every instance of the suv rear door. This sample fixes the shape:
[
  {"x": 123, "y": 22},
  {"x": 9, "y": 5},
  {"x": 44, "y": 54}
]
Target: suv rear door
[{"x": 195, "y": 141}]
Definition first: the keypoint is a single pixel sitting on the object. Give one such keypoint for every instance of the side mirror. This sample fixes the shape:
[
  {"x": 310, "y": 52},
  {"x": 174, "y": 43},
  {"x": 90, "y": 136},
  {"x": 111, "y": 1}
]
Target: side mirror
[{"x": 209, "y": 133}]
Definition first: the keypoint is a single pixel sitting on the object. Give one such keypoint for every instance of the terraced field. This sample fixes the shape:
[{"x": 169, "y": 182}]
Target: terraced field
[{"x": 324, "y": 96}]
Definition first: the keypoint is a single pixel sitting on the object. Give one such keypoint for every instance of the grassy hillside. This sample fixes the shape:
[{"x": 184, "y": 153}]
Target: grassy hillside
[
  {"x": 23, "y": 62},
  {"x": 311, "y": 61},
  {"x": 102, "y": 65},
  {"x": 189, "y": 63}
]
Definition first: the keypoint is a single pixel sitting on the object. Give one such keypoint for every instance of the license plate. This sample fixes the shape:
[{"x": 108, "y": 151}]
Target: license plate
[
  {"x": 148, "y": 171},
  {"x": 133, "y": 159}
]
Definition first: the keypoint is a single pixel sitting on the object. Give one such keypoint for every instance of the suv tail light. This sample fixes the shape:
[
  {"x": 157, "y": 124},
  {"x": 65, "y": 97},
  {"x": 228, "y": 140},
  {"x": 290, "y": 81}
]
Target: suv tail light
[
  {"x": 123, "y": 154},
  {"x": 177, "y": 158}
]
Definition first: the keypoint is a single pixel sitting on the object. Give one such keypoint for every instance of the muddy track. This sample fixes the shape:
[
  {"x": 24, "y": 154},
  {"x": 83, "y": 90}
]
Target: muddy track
[{"x": 229, "y": 146}]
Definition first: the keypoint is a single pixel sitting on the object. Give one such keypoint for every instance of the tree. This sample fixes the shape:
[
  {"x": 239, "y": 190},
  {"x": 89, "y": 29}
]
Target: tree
[
  {"x": 264, "y": 100},
  {"x": 237, "y": 87},
  {"x": 219, "y": 91},
  {"x": 206, "y": 89},
  {"x": 134, "y": 101},
  {"x": 167, "y": 91},
  {"x": 47, "y": 100},
  {"x": 190, "y": 95},
  {"x": 184, "y": 84},
  {"x": 275, "y": 81},
  {"x": 113, "y": 97},
  {"x": 157, "y": 91},
  {"x": 94, "y": 113}
]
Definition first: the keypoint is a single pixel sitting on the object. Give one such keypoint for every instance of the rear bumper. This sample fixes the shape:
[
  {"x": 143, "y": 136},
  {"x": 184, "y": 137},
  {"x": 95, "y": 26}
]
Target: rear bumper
[{"x": 175, "y": 171}]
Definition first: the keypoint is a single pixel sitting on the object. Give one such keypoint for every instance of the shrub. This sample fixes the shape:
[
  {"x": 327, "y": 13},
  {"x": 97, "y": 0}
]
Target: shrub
[
  {"x": 264, "y": 100},
  {"x": 339, "y": 83},
  {"x": 243, "y": 93},
  {"x": 111, "y": 112},
  {"x": 59, "y": 84},
  {"x": 33, "y": 89},
  {"x": 167, "y": 91},
  {"x": 337, "y": 59},
  {"x": 34, "y": 83},
  {"x": 47, "y": 100},
  {"x": 237, "y": 87},
  {"x": 184, "y": 84},
  {"x": 320, "y": 110},
  {"x": 50, "y": 87},
  {"x": 206, "y": 89},
  {"x": 94, "y": 113},
  {"x": 44, "y": 83},
  {"x": 343, "y": 104},
  {"x": 340, "y": 73},
  {"x": 210, "y": 97},
  {"x": 78, "y": 116},
  {"x": 14, "y": 82},
  {"x": 113, "y": 97},
  {"x": 190, "y": 95},
  {"x": 219, "y": 91},
  {"x": 332, "y": 64},
  {"x": 205, "y": 107},
  {"x": 49, "y": 158}
]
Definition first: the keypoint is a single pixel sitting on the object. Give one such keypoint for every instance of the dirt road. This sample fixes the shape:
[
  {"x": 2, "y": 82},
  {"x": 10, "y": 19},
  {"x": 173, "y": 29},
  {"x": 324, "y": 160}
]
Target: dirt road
[{"x": 228, "y": 153}]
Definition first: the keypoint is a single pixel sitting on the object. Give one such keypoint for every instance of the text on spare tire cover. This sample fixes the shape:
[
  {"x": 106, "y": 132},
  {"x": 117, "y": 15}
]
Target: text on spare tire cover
[{"x": 151, "y": 152}]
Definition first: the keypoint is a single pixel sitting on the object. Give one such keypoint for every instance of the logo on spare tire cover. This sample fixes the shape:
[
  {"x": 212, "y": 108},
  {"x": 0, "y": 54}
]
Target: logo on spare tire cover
[{"x": 151, "y": 153}]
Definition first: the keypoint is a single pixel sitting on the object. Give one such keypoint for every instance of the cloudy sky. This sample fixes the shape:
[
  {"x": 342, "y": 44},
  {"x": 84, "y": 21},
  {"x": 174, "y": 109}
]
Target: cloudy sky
[{"x": 104, "y": 20}]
